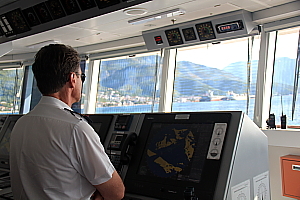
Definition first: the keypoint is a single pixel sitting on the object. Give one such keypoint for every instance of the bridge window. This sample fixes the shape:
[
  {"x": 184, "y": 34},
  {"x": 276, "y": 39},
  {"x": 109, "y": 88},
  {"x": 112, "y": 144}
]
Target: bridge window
[
  {"x": 10, "y": 91},
  {"x": 220, "y": 76},
  {"x": 128, "y": 84},
  {"x": 285, "y": 68}
]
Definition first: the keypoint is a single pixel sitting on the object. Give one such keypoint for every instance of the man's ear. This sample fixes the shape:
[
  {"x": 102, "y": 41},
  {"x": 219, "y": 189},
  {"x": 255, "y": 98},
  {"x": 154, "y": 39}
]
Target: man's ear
[{"x": 72, "y": 80}]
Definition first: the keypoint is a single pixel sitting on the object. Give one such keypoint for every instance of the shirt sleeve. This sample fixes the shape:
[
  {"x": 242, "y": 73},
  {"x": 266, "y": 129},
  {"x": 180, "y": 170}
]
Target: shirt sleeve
[{"x": 88, "y": 155}]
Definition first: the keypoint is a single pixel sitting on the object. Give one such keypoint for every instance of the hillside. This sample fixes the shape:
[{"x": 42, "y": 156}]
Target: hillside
[{"x": 137, "y": 77}]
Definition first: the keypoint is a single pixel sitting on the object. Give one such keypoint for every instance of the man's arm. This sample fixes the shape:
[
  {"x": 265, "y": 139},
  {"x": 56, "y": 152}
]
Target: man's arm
[{"x": 113, "y": 189}]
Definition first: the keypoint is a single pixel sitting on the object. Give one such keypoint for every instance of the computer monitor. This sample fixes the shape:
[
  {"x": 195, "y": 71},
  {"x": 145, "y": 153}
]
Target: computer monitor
[
  {"x": 172, "y": 155},
  {"x": 185, "y": 155},
  {"x": 101, "y": 124},
  {"x": 5, "y": 140}
]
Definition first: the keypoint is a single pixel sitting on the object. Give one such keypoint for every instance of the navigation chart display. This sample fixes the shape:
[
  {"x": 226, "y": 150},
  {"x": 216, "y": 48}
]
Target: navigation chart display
[{"x": 189, "y": 142}]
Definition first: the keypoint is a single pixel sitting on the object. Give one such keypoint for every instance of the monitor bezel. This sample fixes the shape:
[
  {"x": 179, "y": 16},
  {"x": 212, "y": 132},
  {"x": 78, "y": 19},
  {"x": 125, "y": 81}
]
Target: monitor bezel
[
  {"x": 4, "y": 159},
  {"x": 105, "y": 120}
]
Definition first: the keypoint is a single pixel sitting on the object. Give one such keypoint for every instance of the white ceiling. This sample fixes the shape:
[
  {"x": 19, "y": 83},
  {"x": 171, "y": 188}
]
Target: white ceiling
[{"x": 114, "y": 26}]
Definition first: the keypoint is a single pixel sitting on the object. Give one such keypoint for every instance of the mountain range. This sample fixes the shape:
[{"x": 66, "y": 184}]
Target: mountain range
[{"x": 137, "y": 77}]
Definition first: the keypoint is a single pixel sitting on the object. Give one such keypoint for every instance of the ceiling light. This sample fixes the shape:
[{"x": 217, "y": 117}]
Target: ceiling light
[
  {"x": 161, "y": 15},
  {"x": 41, "y": 44},
  {"x": 135, "y": 11}
]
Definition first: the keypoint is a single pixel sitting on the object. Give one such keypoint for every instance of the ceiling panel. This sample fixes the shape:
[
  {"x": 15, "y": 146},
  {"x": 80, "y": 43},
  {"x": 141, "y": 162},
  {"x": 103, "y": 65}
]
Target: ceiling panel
[
  {"x": 255, "y": 5},
  {"x": 98, "y": 38},
  {"x": 115, "y": 26}
]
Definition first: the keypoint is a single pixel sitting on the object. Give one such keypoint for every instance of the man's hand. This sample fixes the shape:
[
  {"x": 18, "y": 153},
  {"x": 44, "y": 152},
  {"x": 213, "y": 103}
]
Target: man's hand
[{"x": 97, "y": 196}]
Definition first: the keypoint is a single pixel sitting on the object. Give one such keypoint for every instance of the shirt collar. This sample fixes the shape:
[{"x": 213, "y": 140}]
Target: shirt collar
[{"x": 54, "y": 101}]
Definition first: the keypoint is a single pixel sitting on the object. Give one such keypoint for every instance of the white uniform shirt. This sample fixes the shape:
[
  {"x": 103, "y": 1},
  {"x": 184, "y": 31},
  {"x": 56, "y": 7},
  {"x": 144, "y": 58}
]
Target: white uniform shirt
[{"x": 56, "y": 155}]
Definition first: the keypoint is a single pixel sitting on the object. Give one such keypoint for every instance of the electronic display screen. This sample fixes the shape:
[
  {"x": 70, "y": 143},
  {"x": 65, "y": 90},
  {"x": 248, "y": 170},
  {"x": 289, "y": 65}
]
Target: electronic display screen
[
  {"x": 101, "y": 124},
  {"x": 55, "y": 9},
  {"x": 31, "y": 17},
  {"x": 86, "y": 4},
  {"x": 123, "y": 118},
  {"x": 4, "y": 144},
  {"x": 42, "y": 12},
  {"x": 119, "y": 138},
  {"x": 70, "y": 6},
  {"x": 189, "y": 142},
  {"x": 230, "y": 26},
  {"x": 123, "y": 122},
  {"x": 5, "y": 134},
  {"x": 96, "y": 126}
]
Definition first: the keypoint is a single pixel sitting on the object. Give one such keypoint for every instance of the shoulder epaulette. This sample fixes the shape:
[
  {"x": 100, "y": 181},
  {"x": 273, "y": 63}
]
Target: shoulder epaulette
[{"x": 81, "y": 115}]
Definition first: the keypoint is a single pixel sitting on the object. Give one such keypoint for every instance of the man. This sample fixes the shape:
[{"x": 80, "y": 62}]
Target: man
[{"x": 55, "y": 153}]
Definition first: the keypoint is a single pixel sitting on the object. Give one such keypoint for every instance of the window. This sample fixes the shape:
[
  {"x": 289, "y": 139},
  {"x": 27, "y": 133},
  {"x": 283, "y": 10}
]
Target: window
[
  {"x": 217, "y": 76},
  {"x": 128, "y": 84},
  {"x": 35, "y": 94},
  {"x": 85, "y": 68},
  {"x": 79, "y": 106},
  {"x": 284, "y": 75},
  {"x": 10, "y": 92}
]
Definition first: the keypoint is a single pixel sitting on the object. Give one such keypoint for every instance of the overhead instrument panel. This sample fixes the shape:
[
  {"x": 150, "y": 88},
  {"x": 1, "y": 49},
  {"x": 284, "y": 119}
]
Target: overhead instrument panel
[
  {"x": 210, "y": 29},
  {"x": 24, "y": 18}
]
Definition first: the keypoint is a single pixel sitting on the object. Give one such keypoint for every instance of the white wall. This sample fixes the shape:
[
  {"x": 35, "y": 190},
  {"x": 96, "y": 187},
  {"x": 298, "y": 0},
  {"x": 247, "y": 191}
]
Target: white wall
[{"x": 281, "y": 143}]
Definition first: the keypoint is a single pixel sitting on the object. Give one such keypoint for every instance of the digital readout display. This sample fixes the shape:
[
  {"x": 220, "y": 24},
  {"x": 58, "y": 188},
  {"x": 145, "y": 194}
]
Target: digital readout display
[{"x": 230, "y": 26}]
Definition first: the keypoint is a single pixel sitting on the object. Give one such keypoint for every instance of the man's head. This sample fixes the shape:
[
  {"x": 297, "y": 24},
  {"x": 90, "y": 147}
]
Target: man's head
[{"x": 53, "y": 65}]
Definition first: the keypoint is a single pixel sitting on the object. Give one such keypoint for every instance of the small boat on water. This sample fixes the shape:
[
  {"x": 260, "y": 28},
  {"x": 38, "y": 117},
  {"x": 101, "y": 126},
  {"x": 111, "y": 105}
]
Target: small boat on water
[
  {"x": 209, "y": 96},
  {"x": 233, "y": 96}
]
